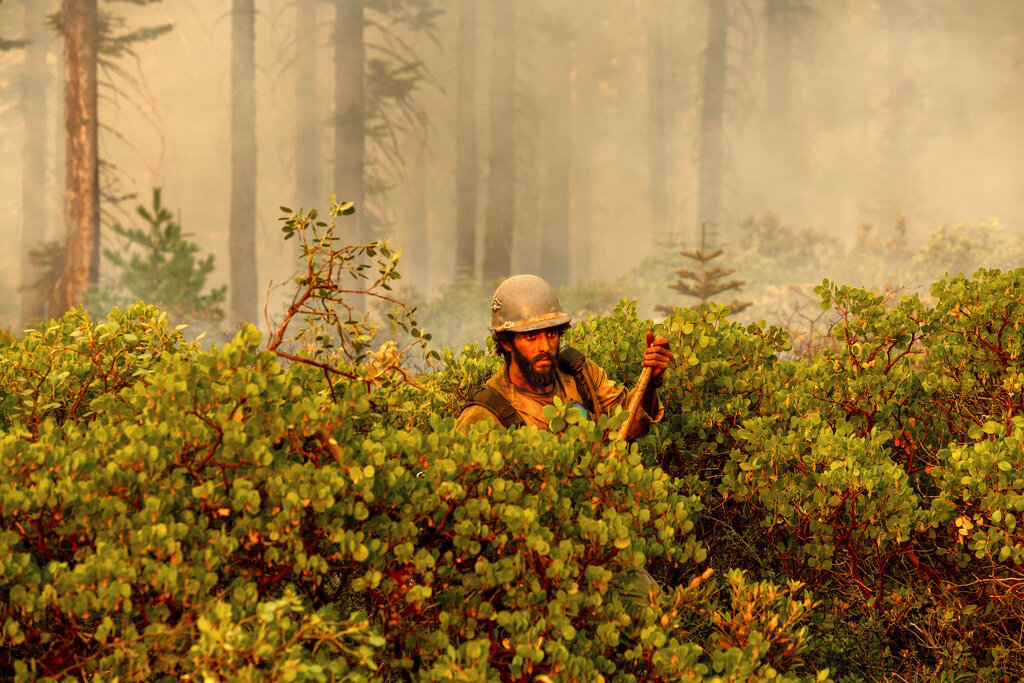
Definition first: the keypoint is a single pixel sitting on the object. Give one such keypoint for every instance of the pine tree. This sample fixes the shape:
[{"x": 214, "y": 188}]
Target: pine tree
[
  {"x": 81, "y": 40},
  {"x": 92, "y": 38},
  {"x": 35, "y": 192},
  {"x": 712, "y": 157},
  {"x": 159, "y": 264},
  {"x": 706, "y": 282},
  {"x": 467, "y": 165}
]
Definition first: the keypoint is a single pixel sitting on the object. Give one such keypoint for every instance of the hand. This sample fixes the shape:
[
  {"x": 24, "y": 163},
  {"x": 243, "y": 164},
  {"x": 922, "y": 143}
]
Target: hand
[{"x": 657, "y": 356}]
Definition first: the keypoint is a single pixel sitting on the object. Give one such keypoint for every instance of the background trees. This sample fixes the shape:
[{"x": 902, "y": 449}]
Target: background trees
[
  {"x": 35, "y": 194},
  {"x": 572, "y": 142},
  {"x": 350, "y": 108},
  {"x": 500, "y": 222},
  {"x": 467, "y": 170},
  {"x": 81, "y": 107},
  {"x": 242, "y": 234},
  {"x": 308, "y": 117},
  {"x": 785, "y": 24}
]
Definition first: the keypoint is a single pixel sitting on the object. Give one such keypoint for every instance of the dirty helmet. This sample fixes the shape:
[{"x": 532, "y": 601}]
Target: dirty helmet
[{"x": 524, "y": 303}]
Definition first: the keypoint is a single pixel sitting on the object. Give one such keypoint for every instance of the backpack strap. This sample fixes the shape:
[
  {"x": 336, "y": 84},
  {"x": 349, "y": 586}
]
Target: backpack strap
[
  {"x": 496, "y": 403},
  {"x": 572, "y": 361}
]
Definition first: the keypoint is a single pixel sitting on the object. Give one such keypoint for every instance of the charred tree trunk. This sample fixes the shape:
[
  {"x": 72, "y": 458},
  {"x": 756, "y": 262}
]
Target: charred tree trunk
[
  {"x": 307, "y": 149},
  {"x": 554, "y": 255},
  {"x": 500, "y": 221},
  {"x": 467, "y": 168},
  {"x": 658, "y": 106},
  {"x": 81, "y": 124},
  {"x": 34, "y": 192},
  {"x": 349, "y": 108},
  {"x": 242, "y": 232},
  {"x": 712, "y": 125}
]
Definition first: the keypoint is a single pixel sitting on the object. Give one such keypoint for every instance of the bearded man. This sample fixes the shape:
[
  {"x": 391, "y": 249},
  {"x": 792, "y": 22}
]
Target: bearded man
[{"x": 527, "y": 323}]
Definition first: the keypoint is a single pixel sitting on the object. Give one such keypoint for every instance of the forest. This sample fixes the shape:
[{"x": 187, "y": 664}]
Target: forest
[{"x": 253, "y": 245}]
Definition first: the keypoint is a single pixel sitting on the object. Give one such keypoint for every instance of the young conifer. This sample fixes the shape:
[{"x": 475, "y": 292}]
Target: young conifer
[
  {"x": 159, "y": 264},
  {"x": 705, "y": 282}
]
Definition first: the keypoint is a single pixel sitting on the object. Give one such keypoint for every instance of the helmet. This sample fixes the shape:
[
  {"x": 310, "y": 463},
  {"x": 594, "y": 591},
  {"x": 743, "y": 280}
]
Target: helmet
[{"x": 524, "y": 303}]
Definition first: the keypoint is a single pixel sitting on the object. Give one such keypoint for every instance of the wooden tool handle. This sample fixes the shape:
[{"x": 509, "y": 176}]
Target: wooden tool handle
[{"x": 634, "y": 402}]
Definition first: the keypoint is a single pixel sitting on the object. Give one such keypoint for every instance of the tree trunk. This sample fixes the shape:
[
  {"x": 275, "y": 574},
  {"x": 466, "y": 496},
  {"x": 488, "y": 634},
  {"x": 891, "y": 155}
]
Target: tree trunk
[
  {"x": 777, "y": 170},
  {"x": 467, "y": 169},
  {"x": 350, "y": 108},
  {"x": 897, "y": 157},
  {"x": 500, "y": 220},
  {"x": 712, "y": 125},
  {"x": 417, "y": 244},
  {"x": 557, "y": 154},
  {"x": 81, "y": 125},
  {"x": 307, "y": 148},
  {"x": 658, "y": 94},
  {"x": 34, "y": 191},
  {"x": 585, "y": 55},
  {"x": 242, "y": 234}
]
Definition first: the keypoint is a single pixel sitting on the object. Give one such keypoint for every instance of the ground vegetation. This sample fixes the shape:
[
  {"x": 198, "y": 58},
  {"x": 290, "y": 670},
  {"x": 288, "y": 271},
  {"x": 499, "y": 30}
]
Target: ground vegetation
[{"x": 301, "y": 508}]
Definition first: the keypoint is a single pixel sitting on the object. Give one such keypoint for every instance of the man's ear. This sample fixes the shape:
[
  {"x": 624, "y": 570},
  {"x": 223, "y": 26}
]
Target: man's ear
[{"x": 507, "y": 345}]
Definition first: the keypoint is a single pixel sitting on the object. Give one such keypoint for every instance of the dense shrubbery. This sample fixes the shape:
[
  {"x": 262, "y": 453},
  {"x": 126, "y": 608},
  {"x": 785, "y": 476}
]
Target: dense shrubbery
[
  {"x": 308, "y": 513},
  {"x": 883, "y": 473},
  {"x": 170, "y": 512}
]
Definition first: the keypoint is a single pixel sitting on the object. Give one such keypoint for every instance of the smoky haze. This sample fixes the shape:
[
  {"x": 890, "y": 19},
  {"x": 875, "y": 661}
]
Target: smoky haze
[{"x": 833, "y": 115}]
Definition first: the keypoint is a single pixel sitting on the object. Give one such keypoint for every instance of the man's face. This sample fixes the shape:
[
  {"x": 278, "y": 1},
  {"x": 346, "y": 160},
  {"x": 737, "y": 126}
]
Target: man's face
[{"x": 536, "y": 356}]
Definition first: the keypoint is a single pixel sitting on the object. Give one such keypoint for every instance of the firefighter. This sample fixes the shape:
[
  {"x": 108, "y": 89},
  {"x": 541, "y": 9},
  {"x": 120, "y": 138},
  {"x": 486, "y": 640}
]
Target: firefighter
[{"x": 527, "y": 323}]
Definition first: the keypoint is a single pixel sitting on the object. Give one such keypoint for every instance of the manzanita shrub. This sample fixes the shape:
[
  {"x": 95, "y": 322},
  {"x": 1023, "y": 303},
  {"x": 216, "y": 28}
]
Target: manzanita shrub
[
  {"x": 882, "y": 474},
  {"x": 172, "y": 513},
  {"x": 306, "y": 510}
]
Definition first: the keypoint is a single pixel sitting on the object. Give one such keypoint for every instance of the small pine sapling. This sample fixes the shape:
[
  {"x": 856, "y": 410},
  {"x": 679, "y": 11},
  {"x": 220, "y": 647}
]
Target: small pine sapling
[
  {"x": 705, "y": 282},
  {"x": 159, "y": 265}
]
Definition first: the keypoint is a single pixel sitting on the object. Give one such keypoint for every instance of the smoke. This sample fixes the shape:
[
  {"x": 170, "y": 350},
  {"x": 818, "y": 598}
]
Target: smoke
[{"x": 915, "y": 113}]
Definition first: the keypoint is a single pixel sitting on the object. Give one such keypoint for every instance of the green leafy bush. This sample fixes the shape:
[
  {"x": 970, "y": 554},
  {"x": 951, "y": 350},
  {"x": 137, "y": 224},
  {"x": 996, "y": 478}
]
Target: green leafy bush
[
  {"x": 189, "y": 513},
  {"x": 306, "y": 511},
  {"x": 878, "y": 472}
]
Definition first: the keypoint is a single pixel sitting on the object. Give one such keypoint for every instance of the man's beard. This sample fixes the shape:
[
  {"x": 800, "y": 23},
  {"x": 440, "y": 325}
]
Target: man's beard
[{"x": 535, "y": 378}]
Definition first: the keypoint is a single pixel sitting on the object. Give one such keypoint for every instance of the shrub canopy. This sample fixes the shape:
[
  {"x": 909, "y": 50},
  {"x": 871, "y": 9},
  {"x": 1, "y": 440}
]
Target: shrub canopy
[{"x": 173, "y": 513}]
